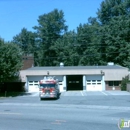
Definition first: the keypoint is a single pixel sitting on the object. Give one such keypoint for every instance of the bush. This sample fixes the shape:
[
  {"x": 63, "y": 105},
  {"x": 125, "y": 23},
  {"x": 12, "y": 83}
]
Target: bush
[{"x": 124, "y": 82}]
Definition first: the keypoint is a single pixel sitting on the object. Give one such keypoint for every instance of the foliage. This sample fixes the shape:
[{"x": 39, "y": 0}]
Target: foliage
[
  {"x": 1, "y": 41},
  {"x": 89, "y": 43},
  {"x": 26, "y": 41},
  {"x": 105, "y": 38},
  {"x": 124, "y": 82},
  {"x": 113, "y": 8},
  {"x": 118, "y": 40},
  {"x": 10, "y": 62},
  {"x": 51, "y": 27},
  {"x": 114, "y": 17},
  {"x": 66, "y": 49}
]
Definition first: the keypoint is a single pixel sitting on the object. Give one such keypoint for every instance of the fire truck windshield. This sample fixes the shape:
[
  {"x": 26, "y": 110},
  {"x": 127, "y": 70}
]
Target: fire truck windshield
[{"x": 47, "y": 85}]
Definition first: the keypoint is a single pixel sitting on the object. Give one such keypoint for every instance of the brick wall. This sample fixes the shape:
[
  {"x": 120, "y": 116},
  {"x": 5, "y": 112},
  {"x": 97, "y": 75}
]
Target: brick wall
[
  {"x": 28, "y": 62},
  {"x": 111, "y": 87}
]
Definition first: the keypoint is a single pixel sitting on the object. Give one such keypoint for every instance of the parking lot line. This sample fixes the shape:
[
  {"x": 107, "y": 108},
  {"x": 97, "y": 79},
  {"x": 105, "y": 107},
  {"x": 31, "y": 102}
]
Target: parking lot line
[
  {"x": 104, "y": 93},
  {"x": 81, "y": 93}
]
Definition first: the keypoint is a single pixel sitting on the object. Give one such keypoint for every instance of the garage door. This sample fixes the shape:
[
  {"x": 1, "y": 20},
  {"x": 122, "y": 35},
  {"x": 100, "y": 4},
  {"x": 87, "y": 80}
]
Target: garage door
[
  {"x": 74, "y": 82},
  {"x": 94, "y": 83},
  {"x": 33, "y": 83}
]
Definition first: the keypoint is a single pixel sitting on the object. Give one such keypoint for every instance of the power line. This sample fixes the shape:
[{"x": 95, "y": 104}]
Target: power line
[{"x": 88, "y": 55}]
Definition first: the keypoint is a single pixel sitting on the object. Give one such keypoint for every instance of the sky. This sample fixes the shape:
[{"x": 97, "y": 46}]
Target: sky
[{"x": 18, "y": 14}]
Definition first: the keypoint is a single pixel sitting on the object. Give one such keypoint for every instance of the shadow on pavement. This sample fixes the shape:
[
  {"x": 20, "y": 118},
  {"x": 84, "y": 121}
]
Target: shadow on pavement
[
  {"x": 13, "y": 94},
  {"x": 50, "y": 99}
]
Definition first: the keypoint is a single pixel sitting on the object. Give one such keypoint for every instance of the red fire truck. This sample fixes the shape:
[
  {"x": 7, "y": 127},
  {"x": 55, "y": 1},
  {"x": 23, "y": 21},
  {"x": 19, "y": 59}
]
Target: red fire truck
[{"x": 48, "y": 88}]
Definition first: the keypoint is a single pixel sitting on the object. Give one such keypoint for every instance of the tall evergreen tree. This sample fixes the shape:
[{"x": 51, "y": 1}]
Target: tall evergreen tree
[
  {"x": 88, "y": 42},
  {"x": 66, "y": 49},
  {"x": 50, "y": 27},
  {"x": 112, "y": 8},
  {"x": 114, "y": 31}
]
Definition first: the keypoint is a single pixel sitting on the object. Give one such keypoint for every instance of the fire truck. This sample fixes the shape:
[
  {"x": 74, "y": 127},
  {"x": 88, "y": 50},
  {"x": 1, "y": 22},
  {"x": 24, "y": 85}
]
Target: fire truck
[{"x": 48, "y": 88}]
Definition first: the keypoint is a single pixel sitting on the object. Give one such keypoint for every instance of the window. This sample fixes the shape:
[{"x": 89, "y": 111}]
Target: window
[
  {"x": 77, "y": 81},
  {"x": 98, "y": 80},
  {"x": 88, "y": 80},
  {"x": 60, "y": 83},
  {"x": 113, "y": 83},
  {"x": 30, "y": 81},
  {"x": 73, "y": 81},
  {"x": 47, "y": 85},
  {"x": 116, "y": 83},
  {"x": 93, "y": 80},
  {"x": 35, "y": 81}
]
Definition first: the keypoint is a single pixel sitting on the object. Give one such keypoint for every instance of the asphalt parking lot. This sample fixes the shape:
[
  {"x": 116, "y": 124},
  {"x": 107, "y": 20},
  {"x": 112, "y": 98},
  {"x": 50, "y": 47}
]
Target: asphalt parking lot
[
  {"x": 92, "y": 93},
  {"x": 74, "y": 110}
]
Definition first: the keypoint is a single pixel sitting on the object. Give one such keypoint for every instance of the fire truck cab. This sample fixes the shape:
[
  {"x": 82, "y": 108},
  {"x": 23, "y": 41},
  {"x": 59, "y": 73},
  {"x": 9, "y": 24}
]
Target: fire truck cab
[{"x": 48, "y": 88}]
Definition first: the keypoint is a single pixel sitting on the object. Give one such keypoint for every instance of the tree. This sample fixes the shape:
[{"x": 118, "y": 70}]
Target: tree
[
  {"x": 114, "y": 18},
  {"x": 87, "y": 38},
  {"x": 1, "y": 41},
  {"x": 10, "y": 61},
  {"x": 116, "y": 41},
  {"x": 126, "y": 62},
  {"x": 51, "y": 27},
  {"x": 66, "y": 49},
  {"x": 26, "y": 41},
  {"x": 112, "y": 8}
]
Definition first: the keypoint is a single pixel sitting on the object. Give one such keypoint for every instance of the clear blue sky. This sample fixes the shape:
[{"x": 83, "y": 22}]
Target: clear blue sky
[{"x": 16, "y": 14}]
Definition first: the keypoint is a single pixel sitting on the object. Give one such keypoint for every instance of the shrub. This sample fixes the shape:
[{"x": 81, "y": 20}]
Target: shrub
[{"x": 124, "y": 82}]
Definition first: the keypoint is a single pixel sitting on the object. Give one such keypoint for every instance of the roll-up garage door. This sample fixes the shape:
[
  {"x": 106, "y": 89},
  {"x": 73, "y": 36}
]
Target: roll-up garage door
[
  {"x": 74, "y": 82},
  {"x": 94, "y": 83},
  {"x": 33, "y": 83}
]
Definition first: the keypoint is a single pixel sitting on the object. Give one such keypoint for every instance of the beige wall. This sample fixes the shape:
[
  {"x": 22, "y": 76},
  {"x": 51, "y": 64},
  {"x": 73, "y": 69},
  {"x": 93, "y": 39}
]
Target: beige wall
[
  {"x": 110, "y": 74},
  {"x": 23, "y": 73},
  {"x": 115, "y": 74}
]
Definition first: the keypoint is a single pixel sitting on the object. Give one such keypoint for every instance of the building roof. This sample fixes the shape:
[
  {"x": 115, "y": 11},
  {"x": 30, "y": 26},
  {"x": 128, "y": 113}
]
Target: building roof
[{"x": 77, "y": 67}]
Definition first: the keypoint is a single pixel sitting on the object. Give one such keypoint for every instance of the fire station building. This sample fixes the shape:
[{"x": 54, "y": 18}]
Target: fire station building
[{"x": 87, "y": 78}]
